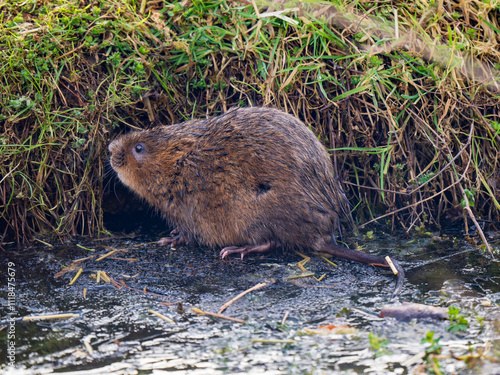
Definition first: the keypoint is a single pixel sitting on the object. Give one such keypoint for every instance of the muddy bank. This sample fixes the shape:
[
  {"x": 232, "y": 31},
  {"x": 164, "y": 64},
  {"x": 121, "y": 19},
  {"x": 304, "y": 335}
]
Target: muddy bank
[{"x": 114, "y": 331}]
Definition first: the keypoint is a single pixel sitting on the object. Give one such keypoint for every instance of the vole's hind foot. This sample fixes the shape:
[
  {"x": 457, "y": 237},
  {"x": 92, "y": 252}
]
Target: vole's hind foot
[
  {"x": 176, "y": 238},
  {"x": 244, "y": 250}
]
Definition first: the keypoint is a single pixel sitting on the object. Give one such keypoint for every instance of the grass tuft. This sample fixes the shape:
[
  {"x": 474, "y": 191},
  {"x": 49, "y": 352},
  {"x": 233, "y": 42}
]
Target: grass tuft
[{"x": 406, "y": 97}]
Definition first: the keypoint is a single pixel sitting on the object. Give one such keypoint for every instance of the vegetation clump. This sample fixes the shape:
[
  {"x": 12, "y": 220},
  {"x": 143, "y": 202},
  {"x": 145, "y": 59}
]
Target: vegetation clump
[{"x": 406, "y": 97}]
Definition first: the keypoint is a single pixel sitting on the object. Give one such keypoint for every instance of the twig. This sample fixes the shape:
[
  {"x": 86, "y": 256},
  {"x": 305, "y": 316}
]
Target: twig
[
  {"x": 45, "y": 243},
  {"x": 389, "y": 262},
  {"x": 161, "y": 316},
  {"x": 149, "y": 109},
  {"x": 375, "y": 188},
  {"x": 88, "y": 347},
  {"x": 308, "y": 274},
  {"x": 76, "y": 276},
  {"x": 8, "y": 173},
  {"x": 107, "y": 255},
  {"x": 473, "y": 218},
  {"x": 328, "y": 261},
  {"x": 53, "y": 316},
  {"x": 284, "y": 318},
  {"x": 143, "y": 6},
  {"x": 70, "y": 52},
  {"x": 256, "y": 9},
  {"x": 201, "y": 312},
  {"x": 227, "y": 304}
]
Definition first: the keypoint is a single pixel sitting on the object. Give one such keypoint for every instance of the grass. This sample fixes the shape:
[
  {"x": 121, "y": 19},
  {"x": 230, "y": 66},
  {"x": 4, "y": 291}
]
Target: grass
[{"x": 406, "y": 97}]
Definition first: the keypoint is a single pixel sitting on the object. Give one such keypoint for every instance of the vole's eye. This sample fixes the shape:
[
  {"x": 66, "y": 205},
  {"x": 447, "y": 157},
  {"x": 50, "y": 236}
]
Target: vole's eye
[{"x": 139, "y": 148}]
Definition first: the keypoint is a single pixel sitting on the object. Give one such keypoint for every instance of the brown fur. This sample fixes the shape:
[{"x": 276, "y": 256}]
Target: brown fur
[{"x": 248, "y": 177}]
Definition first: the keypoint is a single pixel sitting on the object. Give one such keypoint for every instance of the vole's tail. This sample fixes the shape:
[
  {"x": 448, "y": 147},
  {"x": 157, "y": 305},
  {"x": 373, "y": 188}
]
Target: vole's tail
[{"x": 361, "y": 257}]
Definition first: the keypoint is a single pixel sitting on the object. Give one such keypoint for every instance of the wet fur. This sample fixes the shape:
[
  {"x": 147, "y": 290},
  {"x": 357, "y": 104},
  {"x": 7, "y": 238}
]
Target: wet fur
[{"x": 249, "y": 176}]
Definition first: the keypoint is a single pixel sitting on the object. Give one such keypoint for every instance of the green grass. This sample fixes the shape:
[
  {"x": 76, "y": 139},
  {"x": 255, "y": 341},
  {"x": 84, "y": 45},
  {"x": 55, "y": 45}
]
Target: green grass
[{"x": 394, "y": 113}]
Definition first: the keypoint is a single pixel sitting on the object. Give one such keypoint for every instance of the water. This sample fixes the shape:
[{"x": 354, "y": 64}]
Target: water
[{"x": 123, "y": 337}]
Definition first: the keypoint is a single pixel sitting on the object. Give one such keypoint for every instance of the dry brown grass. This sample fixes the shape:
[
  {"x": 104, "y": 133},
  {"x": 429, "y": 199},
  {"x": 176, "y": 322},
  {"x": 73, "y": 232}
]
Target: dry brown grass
[{"x": 411, "y": 116}]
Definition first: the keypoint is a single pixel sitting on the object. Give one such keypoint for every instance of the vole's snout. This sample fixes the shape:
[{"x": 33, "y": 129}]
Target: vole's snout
[
  {"x": 116, "y": 154},
  {"x": 113, "y": 146}
]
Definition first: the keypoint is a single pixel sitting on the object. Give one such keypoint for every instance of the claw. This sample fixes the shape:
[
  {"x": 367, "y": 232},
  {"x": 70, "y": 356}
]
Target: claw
[
  {"x": 229, "y": 250},
  {"x": 176, "y": 238},
  {"x": 244, "y": 250}
]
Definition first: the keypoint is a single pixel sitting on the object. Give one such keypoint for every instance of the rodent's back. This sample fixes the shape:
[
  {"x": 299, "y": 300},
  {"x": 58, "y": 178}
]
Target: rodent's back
[{"x": 247, "y": 176}]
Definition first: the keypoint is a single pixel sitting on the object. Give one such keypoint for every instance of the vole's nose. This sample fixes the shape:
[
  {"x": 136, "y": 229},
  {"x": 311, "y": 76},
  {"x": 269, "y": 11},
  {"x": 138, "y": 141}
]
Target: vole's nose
[{"x": 112, "y": 146}]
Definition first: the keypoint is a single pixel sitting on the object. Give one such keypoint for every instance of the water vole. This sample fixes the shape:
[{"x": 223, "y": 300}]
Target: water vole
[{"x": 247, "y": 180}]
